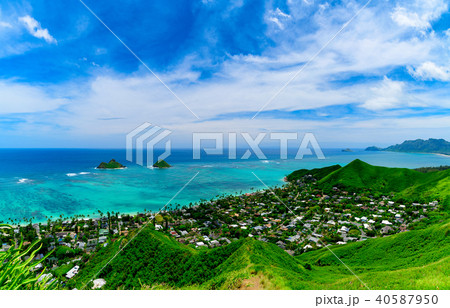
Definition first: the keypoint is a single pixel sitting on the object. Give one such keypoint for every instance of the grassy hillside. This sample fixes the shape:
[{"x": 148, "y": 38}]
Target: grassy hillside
[
  {"x": 417, "y": 259},
  {"x": 153, "y": 260},
  {"x": 317, "y": 173},
  {"x": 406, "y": 183}
]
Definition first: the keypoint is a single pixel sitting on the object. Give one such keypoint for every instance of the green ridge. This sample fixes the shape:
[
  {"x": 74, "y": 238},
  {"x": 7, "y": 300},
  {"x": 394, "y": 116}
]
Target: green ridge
[
  {"x": 317, "y": 173},
  {"x": 418, "y": 146},
  {"x": 406, "y": 183}
]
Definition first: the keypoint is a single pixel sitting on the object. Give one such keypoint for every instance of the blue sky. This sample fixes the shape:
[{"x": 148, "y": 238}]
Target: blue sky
[{"x": 66, "y": 81}]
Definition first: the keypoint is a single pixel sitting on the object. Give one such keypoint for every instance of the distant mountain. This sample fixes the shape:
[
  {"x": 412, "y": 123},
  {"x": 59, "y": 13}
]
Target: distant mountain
[
  {"x": 439, "y": 146},
  {"x": 422, "y": 146}
]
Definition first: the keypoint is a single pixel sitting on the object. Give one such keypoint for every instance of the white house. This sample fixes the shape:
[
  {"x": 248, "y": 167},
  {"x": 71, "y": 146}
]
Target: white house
[
  {"x": 344, "y": 229},
  {"x": 70, "y": 274},
  {"x": 98, "y": 283}
]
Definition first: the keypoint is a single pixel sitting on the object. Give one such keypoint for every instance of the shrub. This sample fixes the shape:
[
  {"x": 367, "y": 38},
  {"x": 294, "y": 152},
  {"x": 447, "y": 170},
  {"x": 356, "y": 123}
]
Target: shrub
[{"x": 16, "y": 273}]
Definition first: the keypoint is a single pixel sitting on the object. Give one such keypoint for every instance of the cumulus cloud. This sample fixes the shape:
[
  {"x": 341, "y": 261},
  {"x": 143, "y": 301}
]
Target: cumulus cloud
[
  {"x": 387, "y": 95},
  {"x": 430, "y": 71},
  {"x": 35, "y": 29},
  {"x": 419, "y": 14},
  {"x": 343, "y": 74}
]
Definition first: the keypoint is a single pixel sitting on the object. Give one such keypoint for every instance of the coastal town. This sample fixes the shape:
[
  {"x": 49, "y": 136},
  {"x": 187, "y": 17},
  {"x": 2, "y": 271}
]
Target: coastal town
[{"x": 297, "y": 217}]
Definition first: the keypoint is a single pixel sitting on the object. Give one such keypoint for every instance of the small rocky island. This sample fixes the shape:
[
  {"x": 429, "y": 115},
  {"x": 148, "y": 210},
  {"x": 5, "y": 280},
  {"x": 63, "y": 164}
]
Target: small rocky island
[
  {"x": 161, "y": 164},
  {"x": 113, "y": 164},
  {"x": 373, "y": 149},
  {"x": 347, "y": 150}
]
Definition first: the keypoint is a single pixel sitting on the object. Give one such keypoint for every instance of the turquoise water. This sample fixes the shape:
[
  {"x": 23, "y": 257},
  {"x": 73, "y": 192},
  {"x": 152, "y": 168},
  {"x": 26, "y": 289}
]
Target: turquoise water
[{"x": 44, "y": 183}]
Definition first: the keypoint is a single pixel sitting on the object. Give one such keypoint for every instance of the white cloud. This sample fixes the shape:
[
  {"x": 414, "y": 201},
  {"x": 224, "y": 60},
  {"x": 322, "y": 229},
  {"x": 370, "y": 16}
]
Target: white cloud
[
  {"x": 419, "y": 14},
  {"x": 370, "y": 47},
  {"x": 409, "y": 19},
  {"x": 278, "y": 17},
  {"x": 387, "y": 95},
  {"x": 277, "y": 22},
  {"x": 4, "y": 24},
  {"x": 35, "y": 29},
  {"x": 23, "y": 98},
  {"x": 430, "y": 71},
  {"x": 281, "y": 13}
]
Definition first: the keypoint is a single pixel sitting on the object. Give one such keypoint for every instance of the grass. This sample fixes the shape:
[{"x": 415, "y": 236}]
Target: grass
[
  {"x": 407, "y": 184},
  {"x": 17, "y": 273},
  {"x": 62, "y": 270},
  {"x": 317, "y": 173},
  {"x": 411, "y": 260},
  {"x": 154, "y": 260},
  {"x": 416, "y": 259}
]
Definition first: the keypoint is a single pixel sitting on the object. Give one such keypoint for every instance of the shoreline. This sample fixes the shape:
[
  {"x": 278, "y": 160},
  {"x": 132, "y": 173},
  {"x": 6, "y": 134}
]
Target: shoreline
[
  {"x": 281, "y": 181},
  {"x": 440, "y": 154},
  {"x": 96, "y": 216}
]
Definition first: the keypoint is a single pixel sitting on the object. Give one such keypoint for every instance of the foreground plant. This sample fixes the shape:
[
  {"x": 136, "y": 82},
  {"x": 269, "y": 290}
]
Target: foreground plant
[{"x": 17, "y": 273}]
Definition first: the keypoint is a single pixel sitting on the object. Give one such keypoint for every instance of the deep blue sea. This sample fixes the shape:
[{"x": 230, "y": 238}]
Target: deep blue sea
[{"x": 41, "y": 183}]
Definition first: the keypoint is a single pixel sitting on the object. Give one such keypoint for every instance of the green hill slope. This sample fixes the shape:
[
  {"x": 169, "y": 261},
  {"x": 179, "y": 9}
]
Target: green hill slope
[
  {"x": 417, "y": 259},
  {"x": 153, "y": 260},
  {"x": 317, "y": 173},
  {"x": 408, "y": 184}
]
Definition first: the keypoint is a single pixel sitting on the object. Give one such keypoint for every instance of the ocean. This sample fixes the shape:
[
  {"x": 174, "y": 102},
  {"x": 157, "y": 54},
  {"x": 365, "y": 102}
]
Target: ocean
[{"x": 41, "y": 183}]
